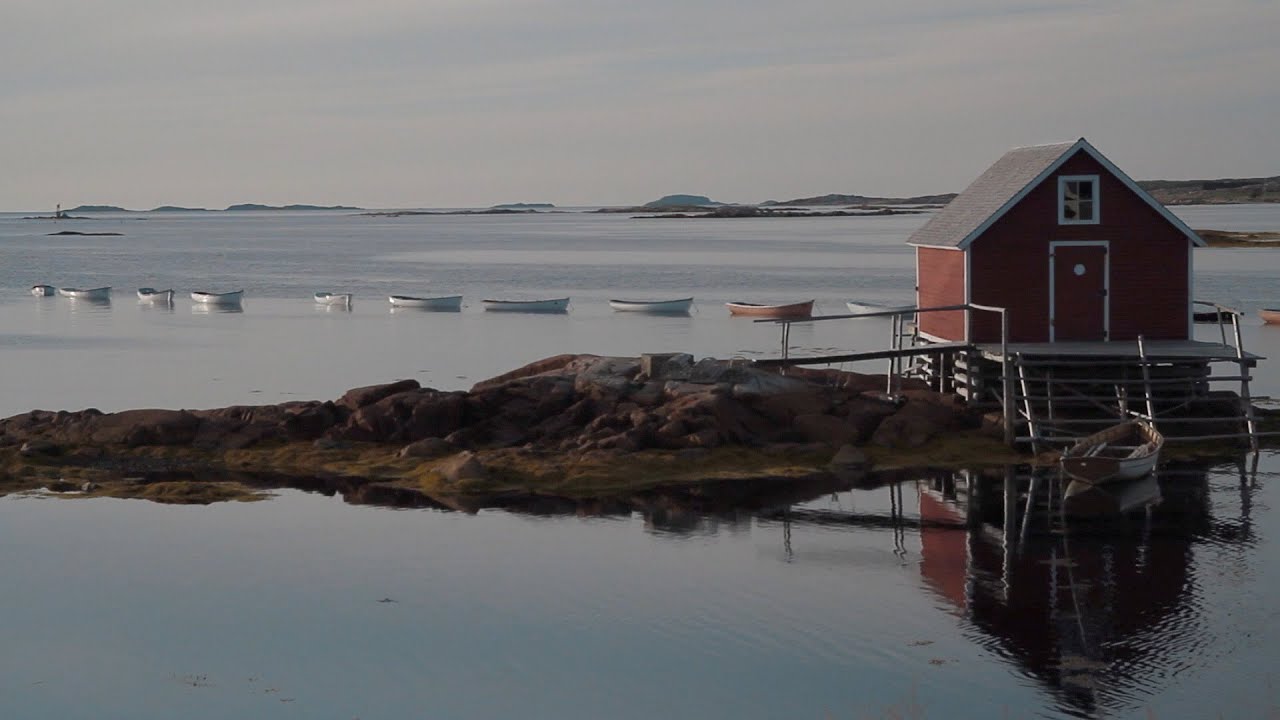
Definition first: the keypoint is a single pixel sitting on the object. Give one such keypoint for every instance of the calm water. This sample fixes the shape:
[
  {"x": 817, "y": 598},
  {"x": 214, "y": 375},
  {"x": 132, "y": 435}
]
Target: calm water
[{"x": 857, "y": 604}]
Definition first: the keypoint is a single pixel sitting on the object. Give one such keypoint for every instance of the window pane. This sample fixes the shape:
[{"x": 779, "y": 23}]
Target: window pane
[
  {"x": 1071, "y": 191},
  {"x": 1069, "y": 210},
  {"x": 1086, "y": 210},
  {"x": 1085, "y": 191}
]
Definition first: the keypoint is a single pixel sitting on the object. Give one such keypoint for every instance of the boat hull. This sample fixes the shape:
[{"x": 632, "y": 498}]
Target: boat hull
[
  {"x": 102, "y": 293},
  {"x": 1122, "y": 452},
  {"x": 557, "y": 305},
  {"x": 446, "y": 302},
  {"x": 656, "y": 307},
  {"x": 155, "y": 296},
  {"x": 1270, "y": 316},
  {"x": 793, "y": 310},
  {"x": 43, "y": 290},
  {"x": 208, "y": 298},
  {"x": 324, "y": 298}
]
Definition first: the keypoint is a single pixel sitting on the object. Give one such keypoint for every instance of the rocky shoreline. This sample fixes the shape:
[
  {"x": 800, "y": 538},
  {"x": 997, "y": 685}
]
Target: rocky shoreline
[{"x": 570, "y": 429}]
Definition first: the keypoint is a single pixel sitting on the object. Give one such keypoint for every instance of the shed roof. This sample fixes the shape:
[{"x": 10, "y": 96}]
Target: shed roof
[{"x": 1006, "y": 183}]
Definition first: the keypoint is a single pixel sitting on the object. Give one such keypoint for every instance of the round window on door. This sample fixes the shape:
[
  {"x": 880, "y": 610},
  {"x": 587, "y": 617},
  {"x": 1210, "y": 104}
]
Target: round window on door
[{"x": 1078, "y": 269}]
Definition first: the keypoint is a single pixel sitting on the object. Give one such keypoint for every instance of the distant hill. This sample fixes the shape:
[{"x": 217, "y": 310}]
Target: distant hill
[
  {"x": 176, "y": 208},
  {"x": 682, "y": 201},
  {"x": 1169, "y": 192},
  {"x": 942, "y": 199},
  {"x": 522, "y": 206},
  {"x": 255, "y": 206},
  {"x": 97, "y": 208},
  {"x": 1214, "y": 192}
]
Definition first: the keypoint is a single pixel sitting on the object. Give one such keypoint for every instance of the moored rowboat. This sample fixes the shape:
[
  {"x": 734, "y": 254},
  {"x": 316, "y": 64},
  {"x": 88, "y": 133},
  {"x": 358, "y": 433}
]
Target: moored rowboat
[
  {"x": 42, "y": 290},
  {"x": 154, "y": 295},
  {"x": 870, "y": 307},
  {"x": 1121, "y": 452},
  {"x": 325, "y": 298},
  {"x": 212, "y": 298},
  {"x": 446, "y": 302},
  {"x": 804, "y": 309},
  {"x": 101, "y": 293},
  {"x": 671, "y": 307},
  {"x": 1271, "y": 316},
  {"x": 557, "y": 305}
]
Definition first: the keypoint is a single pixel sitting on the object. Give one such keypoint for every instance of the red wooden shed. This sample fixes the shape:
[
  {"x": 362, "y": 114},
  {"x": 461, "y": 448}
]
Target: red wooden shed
[{"x": 1072, "y": 246}]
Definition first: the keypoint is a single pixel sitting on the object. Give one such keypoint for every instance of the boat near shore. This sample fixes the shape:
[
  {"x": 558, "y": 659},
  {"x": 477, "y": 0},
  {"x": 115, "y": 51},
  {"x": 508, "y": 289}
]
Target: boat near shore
[
  {"x": 212, "y": 298},
  {"x": 791, "y": 310},
  {"x": 1270, "y": 316},
  {"x": 870, "y": 307},
  {"x": 43, "y": 290},
  {"x": 100, "y": 293},
  {"x": 556, "y": 305},
  {"x": 328, "y": 298},
  {"x": 654, "y": 307},
  {"x": 153, "y": 295},
  {"x": 1121, "y": 452},
  {"x": 448, "y": 303}
]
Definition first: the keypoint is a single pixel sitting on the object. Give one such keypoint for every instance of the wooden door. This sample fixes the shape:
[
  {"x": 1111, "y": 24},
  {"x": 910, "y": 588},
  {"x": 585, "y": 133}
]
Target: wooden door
[{"x": 1078, "y": 291}]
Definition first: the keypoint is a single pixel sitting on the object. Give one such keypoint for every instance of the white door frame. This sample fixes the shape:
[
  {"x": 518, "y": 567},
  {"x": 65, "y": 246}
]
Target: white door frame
[{"x": 1106, "y": 284}]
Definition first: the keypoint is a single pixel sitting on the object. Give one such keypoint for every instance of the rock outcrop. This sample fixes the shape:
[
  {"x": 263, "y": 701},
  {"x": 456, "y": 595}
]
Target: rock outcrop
[{"x": 566, "y": 404}]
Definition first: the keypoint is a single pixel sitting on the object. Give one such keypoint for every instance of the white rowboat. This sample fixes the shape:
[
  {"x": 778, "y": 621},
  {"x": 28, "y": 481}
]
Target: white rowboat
[
  {"x": 325, "y": 298},
  {"x": 870, "y": 307},
  {"x": 102, "y": 293},
  {"x": 558, "y": 305},
  {"x": 212, "y": 298},
  {"x": 445, "y": 302},
  {"x": 42, "y": 290},
  {"x": 664, "y": 307},
  {"x": 1121, "y": 452},
  {"x": 155, "y": 296}
]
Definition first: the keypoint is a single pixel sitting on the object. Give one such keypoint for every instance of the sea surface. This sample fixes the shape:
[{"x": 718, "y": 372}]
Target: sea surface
[{"x": 911, "y": 600}]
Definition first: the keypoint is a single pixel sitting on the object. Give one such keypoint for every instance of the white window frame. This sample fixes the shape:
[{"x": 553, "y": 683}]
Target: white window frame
[
  {"x": 1062, "y": 199},
  {"x": 1106, "y": 284}
]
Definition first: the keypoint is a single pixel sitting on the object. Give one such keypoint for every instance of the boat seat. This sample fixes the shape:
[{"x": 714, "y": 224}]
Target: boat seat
[
  {"x": 1095, "y": 450},
  {"x": 1138, "y": 452}
]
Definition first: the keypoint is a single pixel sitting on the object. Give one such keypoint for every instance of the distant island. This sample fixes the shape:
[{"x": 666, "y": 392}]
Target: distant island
[
  {"x": 863, "y": 200},
  {"x": 255, "y": 206},
  {"x": 232, "y": 208},
  {"x": 523, "y": 206},
  {"x": 667, "y": 201}
]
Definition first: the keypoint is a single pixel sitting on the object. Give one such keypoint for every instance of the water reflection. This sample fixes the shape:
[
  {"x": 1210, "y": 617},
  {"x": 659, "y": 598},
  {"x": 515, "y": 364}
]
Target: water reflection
[
  {"x": 1100, "y": 610},
  {"x": 88, "y": 305},
  {"x": 162, "y": 305},
  {"x": 1092, "y": 607},
  {"x": 215, "y": 308},
  {"x": 418, "y": 310}
]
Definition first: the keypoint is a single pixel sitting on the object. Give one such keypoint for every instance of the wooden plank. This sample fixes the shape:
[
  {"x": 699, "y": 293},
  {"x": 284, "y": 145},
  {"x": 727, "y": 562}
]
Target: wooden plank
[{"x": 856, "y": 357}]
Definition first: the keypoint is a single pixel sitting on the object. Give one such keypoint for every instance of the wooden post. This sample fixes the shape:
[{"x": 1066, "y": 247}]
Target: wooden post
[
  {"x": 1246, "y": 400},
  {"x": 1146, "y": 381},
  {"x": 1010, "y": 437}
]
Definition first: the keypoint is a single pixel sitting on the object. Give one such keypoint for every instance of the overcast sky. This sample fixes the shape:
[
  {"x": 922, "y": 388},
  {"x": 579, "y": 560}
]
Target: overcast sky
[{"x": 433, "y": 103}]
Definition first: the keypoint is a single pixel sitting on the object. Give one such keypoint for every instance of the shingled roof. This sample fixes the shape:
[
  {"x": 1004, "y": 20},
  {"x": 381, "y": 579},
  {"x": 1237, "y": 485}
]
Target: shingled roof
[{"x": 1005, "y": 183}]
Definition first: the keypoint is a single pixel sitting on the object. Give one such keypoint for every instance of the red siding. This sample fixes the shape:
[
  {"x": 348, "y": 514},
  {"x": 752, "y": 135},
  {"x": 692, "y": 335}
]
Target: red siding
[
  {"x": 1149, "y": 274},
  {"x": 941, "y": 278}
]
